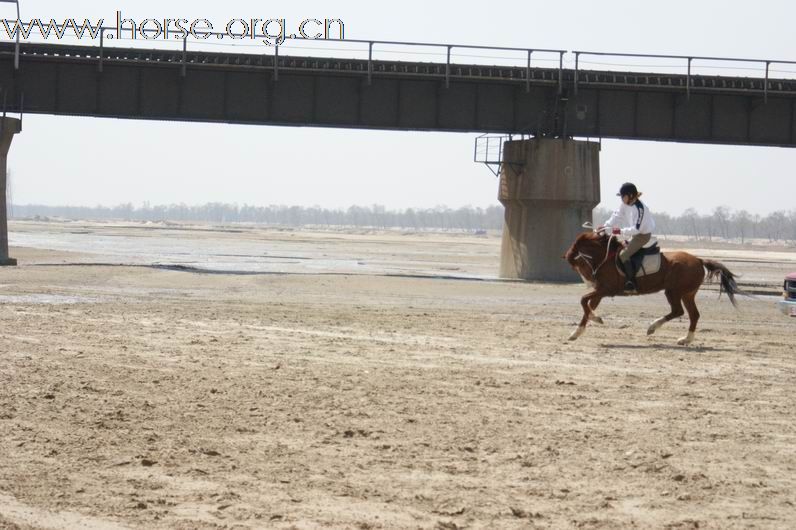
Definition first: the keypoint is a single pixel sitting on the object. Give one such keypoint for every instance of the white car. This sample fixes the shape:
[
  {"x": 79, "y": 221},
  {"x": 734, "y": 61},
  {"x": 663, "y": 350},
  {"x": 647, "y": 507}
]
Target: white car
[{"x": 788, "y": 302}]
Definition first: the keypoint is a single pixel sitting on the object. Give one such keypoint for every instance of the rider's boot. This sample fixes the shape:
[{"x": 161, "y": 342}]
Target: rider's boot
[{"x": 630, "y": 277}]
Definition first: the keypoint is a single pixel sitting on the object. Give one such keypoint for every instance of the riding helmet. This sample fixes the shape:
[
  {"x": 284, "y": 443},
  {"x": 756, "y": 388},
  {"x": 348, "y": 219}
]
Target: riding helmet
[{"x": 628, "y": 188}]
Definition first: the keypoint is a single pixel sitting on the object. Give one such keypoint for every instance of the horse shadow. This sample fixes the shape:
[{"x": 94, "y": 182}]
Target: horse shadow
[{"x": 666, "y": 346}]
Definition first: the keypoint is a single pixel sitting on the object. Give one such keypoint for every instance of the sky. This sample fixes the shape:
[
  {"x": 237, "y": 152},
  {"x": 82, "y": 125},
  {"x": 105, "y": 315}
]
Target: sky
[{"x": 60, "y": 160}]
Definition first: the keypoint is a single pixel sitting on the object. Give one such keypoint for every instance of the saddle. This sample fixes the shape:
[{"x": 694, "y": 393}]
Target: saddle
[{"x": 645, "y": 262}]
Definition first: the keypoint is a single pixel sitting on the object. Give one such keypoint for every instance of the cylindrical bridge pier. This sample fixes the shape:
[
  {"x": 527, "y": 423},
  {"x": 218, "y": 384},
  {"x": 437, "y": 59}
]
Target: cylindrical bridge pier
[
  {"x": 549, "y": 187},
  {"x": 8, "y": 128}
]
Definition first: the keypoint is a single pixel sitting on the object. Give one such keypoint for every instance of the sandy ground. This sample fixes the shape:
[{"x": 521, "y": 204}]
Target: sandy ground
[{"x": 137, "y": 397}]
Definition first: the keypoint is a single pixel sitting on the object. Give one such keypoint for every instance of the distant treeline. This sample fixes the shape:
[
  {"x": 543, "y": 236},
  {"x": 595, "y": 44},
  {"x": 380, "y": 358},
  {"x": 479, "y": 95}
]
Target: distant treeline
[
  {"x": 722, "y": 223},
  {"x": 465, "y": 218}
]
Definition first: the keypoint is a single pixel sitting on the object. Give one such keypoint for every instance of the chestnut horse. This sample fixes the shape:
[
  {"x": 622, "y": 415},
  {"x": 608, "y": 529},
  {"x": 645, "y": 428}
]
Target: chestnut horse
[{"x": 593, "y": 256}]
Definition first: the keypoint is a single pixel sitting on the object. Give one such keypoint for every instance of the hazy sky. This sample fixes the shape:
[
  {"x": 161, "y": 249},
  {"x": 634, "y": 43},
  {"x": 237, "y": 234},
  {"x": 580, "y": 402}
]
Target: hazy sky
[{"x": 60, "y": 160}]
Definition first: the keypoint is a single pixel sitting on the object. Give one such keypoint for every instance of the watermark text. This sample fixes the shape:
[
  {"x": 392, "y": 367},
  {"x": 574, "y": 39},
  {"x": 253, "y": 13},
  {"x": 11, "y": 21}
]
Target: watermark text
[{"x": 269, "y": 31}]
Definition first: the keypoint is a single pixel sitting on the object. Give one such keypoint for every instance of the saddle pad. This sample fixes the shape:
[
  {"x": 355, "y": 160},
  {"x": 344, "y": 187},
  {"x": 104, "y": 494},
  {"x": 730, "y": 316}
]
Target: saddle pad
[{"x": 649, "y": 265}]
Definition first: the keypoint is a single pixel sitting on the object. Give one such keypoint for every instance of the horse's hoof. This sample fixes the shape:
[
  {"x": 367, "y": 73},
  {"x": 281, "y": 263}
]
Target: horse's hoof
[
  {"x": 595, "y": 318},
  {"x": 685, "y": 341},
  {"x": 577, "y": 333},
  {"x": 655, "y": 325}
]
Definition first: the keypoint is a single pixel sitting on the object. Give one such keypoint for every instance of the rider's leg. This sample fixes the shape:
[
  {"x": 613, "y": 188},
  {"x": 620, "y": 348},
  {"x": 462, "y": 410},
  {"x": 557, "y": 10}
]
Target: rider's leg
[
  {"x": 630, "y": 275},
  {"x": 633, "y": 246}
]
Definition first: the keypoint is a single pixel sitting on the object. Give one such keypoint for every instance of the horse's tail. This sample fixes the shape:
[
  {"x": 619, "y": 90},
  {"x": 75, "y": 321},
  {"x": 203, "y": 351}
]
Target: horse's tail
[{"x": 728, "y": 284}]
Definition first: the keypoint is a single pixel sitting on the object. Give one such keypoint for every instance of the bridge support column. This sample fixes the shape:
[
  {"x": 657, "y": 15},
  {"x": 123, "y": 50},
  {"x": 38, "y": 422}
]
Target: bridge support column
[
  {"x": 549, "y": 188},
  {"x": 8, "y": 128}
]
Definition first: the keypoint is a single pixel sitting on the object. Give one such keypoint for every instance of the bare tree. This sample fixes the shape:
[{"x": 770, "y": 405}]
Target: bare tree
[
  {"x": 743, "y": 224},
  {"x": 691, "y": 218},
  {"x": 791, "y": 226},
  {"x": 774, "y": 224},
  {"x": 721, "y": 220}
]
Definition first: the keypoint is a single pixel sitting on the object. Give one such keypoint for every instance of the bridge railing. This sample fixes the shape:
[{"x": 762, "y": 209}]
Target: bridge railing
[
  {"x": 448, "y": 54},
  {"x": 371, "y": 52},
  {"x": 760, "y": 68}
]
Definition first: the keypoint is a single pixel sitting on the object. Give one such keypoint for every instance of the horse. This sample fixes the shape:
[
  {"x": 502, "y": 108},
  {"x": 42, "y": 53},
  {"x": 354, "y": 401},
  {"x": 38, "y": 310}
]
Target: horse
[{"x": 593, "y": 256}]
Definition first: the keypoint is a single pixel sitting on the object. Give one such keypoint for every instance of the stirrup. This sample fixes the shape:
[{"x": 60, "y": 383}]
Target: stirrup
[{"x": 630, "y": 287}]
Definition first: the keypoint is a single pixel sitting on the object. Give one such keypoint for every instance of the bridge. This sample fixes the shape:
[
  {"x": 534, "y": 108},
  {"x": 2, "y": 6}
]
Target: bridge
[
  {"x": 278, "y": 89},
  {"x": 549, "y": 180}
]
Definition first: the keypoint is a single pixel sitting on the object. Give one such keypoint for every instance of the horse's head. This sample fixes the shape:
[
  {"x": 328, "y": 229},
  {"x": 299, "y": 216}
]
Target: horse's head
[{"x": 589, "y": 253}]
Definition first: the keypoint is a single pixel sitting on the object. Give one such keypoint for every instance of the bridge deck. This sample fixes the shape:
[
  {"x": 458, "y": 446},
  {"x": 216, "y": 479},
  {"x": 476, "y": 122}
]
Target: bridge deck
[
  {"x": 292, "y": 90},
  {"x": 586, "y": 78}
]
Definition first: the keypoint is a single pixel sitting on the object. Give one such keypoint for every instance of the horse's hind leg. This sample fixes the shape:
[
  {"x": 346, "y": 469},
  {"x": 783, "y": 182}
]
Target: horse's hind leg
[
  {"x": 677, "y": 311},
  {"x": 693, "y": 317}
]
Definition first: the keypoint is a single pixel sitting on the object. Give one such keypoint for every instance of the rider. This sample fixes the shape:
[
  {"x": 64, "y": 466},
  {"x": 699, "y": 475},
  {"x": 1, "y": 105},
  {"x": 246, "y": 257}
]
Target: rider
[{"x": 633, "y": 223}]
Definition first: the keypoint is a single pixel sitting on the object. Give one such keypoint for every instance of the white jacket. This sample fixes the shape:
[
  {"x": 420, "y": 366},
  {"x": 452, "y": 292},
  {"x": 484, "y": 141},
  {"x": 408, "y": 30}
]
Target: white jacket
[{"x": 632, "y": 220}]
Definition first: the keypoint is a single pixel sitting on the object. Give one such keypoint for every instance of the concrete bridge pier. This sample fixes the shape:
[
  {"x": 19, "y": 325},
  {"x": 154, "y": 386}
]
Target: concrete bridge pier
[
  {"x": 8, "y": 128},
  {"x": 549, "y": 187}
]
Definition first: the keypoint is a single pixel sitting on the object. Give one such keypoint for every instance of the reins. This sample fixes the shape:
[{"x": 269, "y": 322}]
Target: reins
[{"x": 588, "y": 259}]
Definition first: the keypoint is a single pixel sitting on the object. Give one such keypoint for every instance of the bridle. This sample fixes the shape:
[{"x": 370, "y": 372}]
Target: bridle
[{"x": 590, "y": 259}]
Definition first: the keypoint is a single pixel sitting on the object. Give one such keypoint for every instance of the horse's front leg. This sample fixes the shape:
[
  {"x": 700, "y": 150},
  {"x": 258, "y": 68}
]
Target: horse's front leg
[
  {"x": 587, "y": 312},
  {"x": 593, "y": 303}
]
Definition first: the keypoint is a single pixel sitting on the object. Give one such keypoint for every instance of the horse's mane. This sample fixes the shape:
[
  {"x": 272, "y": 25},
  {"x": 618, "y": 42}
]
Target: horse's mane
[{"x": 596, "y": 239}]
